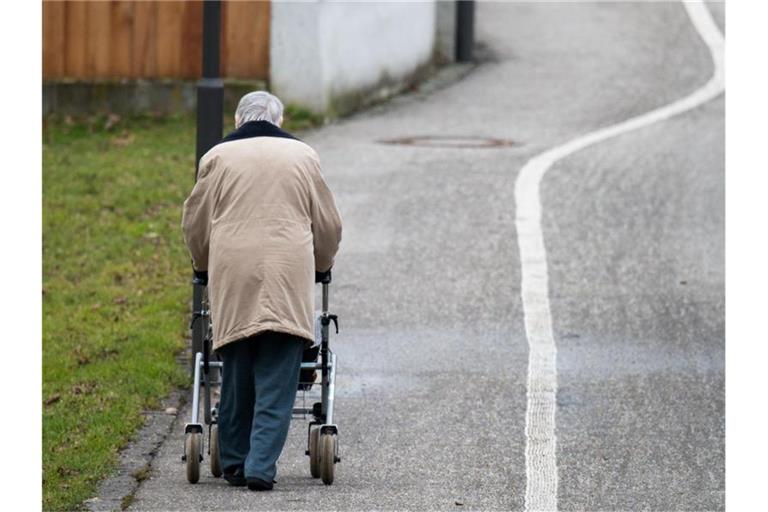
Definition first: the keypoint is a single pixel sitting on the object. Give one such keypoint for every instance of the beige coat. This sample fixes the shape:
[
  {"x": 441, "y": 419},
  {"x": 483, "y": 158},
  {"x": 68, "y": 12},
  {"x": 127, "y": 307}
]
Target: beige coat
[{"x": 261, "y": 220}]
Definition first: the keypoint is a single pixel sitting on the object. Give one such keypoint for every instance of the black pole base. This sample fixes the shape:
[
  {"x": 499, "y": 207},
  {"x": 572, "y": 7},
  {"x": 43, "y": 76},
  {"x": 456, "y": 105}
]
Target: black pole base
[{"x": 465, "y": 30}]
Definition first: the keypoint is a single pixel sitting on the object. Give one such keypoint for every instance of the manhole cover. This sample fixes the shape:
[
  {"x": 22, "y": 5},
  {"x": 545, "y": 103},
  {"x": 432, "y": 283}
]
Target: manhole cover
[{"x": 448, "y": 141}]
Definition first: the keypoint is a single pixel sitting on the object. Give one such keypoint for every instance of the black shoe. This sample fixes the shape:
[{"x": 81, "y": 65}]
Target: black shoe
[
  {"x": 257, "y": 484},
  {"x": 236, "y": 478}
]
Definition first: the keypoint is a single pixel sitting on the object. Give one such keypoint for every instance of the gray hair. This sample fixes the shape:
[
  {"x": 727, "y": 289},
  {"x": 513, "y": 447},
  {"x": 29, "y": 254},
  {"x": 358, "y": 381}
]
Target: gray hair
[{"x": 258, "y": 106}]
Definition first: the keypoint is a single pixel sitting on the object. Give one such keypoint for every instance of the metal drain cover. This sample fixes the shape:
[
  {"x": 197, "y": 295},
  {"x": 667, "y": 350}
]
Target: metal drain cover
[{"x": 451, "y": 141}]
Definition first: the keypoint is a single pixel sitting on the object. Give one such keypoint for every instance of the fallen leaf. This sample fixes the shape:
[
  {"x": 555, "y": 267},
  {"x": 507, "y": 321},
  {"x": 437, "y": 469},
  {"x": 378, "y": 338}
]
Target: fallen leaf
[
  {"x": 62, "y": 471},
  {"x": 120, "y": 300},
  {"x": 81, "y": 355},
  {"x": 108, "y": 352},
  {"x": 112, "y": 120},
  {"x": 96, "y": 306},
  {"x": 171, "y": 411},
  {"x": 122, "y": 140},
  {"x": 53, "y": 399}
]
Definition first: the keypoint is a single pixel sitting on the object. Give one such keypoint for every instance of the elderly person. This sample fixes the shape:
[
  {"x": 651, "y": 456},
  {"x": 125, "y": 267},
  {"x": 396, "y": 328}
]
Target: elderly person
[{"x": 261, "y": 221}]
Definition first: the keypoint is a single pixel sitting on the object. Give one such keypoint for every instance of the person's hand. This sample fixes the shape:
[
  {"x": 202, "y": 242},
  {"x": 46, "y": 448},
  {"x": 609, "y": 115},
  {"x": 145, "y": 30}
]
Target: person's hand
[
  {"x": 323, "y": 277},
  {"x": 201, "y": 277}
]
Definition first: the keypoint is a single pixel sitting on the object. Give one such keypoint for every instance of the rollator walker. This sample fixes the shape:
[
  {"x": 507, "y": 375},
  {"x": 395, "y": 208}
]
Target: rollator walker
[{"x": 322, "y": 432}]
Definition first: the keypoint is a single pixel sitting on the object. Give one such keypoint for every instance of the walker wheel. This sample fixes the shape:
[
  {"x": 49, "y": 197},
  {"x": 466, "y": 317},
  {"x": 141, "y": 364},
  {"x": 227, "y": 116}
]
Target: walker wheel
[
  {"x": 327, "y": 457},
  {"x": 314, "y": 452},
  {"x": 213, "y": 446},
  {"x": 192, "y": 443}
]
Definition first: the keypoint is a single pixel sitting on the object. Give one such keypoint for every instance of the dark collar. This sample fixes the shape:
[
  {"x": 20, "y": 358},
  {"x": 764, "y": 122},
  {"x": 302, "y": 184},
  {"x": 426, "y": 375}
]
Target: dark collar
[{"x": 257, "y": 129}]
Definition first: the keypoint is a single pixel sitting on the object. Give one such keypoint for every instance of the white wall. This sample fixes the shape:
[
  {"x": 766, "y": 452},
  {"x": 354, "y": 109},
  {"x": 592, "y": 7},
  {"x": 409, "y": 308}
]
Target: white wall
[{"x": 324, "y": 50}]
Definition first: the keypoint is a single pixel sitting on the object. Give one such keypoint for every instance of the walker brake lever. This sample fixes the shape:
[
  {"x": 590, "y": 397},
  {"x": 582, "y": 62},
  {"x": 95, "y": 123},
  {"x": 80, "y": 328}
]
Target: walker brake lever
[
  {"x": 328, "y": 318},
  {"x": 196, "y": 315},
  {"x": 335, "y": 320}
]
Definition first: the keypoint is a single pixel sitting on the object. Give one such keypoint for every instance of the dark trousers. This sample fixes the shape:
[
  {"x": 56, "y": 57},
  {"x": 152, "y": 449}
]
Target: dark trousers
[{"x": 258, "y": 388}]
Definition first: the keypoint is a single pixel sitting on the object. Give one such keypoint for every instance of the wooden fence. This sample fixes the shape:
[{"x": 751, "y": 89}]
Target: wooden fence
[{"x": 87, "y": 40}]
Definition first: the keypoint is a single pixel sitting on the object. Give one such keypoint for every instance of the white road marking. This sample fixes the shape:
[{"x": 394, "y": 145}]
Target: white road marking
[{"x": 540, "y": 455}]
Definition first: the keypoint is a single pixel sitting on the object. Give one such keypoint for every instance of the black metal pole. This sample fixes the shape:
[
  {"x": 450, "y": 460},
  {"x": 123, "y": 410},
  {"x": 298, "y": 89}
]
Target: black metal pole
[
  {"x": 465, "y": 30},
  {"x": 210, "y": 107},
  {"x": 210, "y": 88}
]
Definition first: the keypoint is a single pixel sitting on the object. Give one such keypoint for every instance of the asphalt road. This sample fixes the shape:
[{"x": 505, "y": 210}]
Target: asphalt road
[{"x": 431, "y": 394}]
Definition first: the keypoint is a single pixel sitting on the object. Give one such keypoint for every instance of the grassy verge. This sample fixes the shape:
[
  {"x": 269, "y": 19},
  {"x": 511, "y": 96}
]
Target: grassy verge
[{"x": 115, "y": 287}]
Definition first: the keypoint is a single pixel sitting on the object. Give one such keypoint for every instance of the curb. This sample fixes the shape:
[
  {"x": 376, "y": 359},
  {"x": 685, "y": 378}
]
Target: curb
[{"x": 135, "y": 460}]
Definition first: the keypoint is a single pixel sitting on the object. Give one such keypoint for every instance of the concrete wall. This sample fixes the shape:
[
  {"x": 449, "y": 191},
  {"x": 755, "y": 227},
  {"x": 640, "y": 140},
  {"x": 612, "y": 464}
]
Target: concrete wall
[
  {"x": 331, "y": 57},
  {"x": 446, "y": 31}
]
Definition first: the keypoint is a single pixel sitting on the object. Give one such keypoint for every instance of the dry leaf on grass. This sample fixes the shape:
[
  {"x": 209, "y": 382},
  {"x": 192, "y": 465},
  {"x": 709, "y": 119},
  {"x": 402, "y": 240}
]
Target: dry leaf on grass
[{"x": 122, "y": 140}]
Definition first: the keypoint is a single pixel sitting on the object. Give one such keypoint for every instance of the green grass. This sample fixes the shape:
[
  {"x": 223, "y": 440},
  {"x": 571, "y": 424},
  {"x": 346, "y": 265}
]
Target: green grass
[{"x": 115, "y": 287}]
